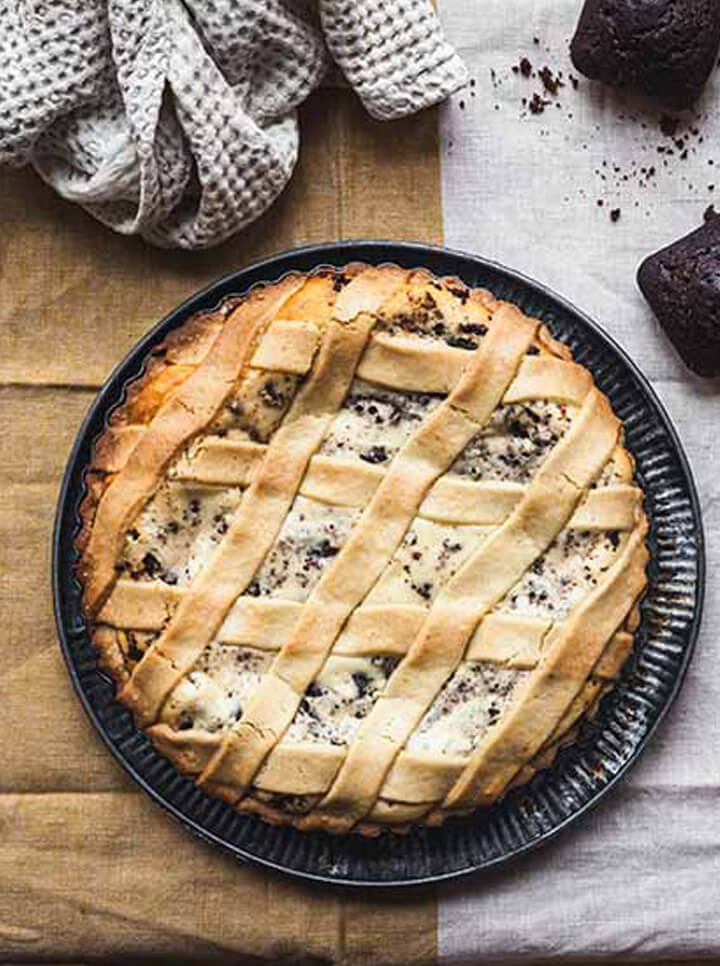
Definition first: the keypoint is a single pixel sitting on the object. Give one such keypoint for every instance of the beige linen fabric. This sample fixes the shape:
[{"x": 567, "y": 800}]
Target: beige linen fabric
[{"x": 641, "y": 876}]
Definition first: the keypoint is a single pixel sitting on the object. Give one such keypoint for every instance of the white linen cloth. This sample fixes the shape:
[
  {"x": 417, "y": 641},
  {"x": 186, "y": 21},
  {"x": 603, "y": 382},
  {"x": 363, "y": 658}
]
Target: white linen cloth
[
  {"x": 176, "y": 119},
  {"x": 639, "y": 877}
]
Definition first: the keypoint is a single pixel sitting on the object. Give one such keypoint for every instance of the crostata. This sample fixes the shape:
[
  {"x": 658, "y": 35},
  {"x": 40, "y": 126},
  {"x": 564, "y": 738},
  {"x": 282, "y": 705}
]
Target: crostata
[{"x": 361, "y": 548}]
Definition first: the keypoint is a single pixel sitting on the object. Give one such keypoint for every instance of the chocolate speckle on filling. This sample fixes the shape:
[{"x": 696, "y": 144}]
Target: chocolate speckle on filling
[
  {"x": 424, "y": 589},
  {"x": 461, "y": 342},
  {"x": 376, "y": 454},
  {"x": 323, "y": 549},
  {"x": 362, "y": 683},
  {"x": 473, "y": 328},
  {"x": 272, "y": 396},
  {"x": 151, "y": 565}
]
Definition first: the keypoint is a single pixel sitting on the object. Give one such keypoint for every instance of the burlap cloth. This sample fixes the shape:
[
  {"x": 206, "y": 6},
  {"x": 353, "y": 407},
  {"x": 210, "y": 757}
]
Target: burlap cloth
[{"x": 90, "y": 869}]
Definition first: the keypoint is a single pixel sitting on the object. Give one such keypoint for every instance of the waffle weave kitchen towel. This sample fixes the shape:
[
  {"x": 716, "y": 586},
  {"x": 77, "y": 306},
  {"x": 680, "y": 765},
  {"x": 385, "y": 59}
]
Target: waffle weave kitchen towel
[{"x": 176, "y": 119}]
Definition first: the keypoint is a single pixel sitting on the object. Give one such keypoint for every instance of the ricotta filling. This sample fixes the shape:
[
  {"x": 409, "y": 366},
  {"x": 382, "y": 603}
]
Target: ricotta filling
[
  {"x": 471, "y": 702},
  {"x": 257, "y": 408},
  {"x": 211, "y": 697},
  {"x": 311, "y": 537},
  {"x": 374, "y": 422},
  {"x": 177, "y": 532},
  {"x": 338, "y": 699},
  {"x": 558, "y": 580},
  {"x": 514, "y": 443}
]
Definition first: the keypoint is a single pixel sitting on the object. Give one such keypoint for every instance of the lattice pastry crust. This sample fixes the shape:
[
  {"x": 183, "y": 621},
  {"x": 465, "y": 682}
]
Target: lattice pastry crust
[{"x": 361, "y": 548}]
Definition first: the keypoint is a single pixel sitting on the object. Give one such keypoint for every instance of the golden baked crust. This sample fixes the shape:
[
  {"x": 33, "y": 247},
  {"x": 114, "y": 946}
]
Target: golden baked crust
[{"x": 361, "y": 548}]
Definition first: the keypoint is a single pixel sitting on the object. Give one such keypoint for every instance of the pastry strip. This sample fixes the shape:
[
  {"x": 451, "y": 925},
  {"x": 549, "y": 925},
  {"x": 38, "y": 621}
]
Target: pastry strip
[
  {"x": 287, "y": 346},
  {"x": 352, "y": 483},
  {"x": 114, "y": 448},
  {"x": 372, "y": 629},
  {"x": 219, "y": 461}
]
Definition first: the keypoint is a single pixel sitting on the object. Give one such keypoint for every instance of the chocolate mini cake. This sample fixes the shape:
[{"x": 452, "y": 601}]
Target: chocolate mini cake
[
  {"x": 661, "y": 47},
  {"x": 682, "y": 285}
]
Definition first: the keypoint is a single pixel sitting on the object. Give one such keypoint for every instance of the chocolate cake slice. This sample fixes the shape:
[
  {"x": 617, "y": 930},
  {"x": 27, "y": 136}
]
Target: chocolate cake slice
[
  {"x": 663, "y": 48},
  {"x": 682, "y": 285}
]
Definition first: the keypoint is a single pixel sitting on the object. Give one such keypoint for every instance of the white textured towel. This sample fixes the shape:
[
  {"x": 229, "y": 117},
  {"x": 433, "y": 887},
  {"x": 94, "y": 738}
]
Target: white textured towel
[{"x": 175, "y": 119}]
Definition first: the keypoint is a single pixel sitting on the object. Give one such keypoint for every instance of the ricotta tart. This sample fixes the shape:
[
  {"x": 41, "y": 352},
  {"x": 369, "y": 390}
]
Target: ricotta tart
[{"x": 361, "y": 548}]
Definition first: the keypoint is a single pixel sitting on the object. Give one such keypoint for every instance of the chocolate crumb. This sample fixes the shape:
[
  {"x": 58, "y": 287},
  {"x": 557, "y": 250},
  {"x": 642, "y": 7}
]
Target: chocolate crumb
[
  {"x": 151, "y": 564},
  {"x": 550, "y": 82},
  {"x": 525, "y": 67},
  {"x": 615, "y": 215},
  {"x": 459, "y": 342},
  {"x": 537, "y": 104}
]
